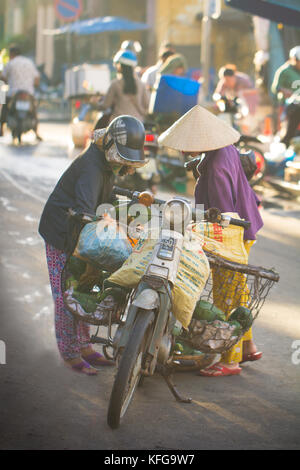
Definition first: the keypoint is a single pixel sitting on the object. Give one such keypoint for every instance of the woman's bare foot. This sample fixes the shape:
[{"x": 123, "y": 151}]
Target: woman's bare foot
[
  {"x": 94, "y": 358},
  {"x": 249, "y": 347},
  {"x": 80, "y": 365},
  {"x": 250, "y": 352},
  {"x": 220, "y": 369}
]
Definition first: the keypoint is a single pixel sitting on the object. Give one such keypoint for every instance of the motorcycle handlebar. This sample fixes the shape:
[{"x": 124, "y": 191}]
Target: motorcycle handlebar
[
  {"x": 212, "y": 215},
  {"x": 133, "y": 194}
]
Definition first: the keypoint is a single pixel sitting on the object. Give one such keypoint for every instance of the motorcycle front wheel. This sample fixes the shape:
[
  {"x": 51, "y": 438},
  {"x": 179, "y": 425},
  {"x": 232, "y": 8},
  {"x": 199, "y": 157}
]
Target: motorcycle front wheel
[{"x": 130, "y": 368}]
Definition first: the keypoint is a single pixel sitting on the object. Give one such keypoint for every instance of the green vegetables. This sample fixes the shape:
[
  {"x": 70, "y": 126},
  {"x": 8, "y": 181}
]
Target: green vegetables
[
  {"x": 87, "y": 301},
  {"x": 186, "y": 350},
  {"x": 243, "y": 316},
  {"x": 206, "y": 311},
  {"x": 239, "y": 321}
]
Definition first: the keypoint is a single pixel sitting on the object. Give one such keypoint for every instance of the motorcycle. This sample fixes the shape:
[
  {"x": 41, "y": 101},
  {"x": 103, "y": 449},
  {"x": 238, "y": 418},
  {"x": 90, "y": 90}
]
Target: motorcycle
[
  {"x": 231, "y": 111},
  {"x": 169, "y": 163},
  {"x": 144, "y": 341},
  {"x": 21, "y": 117}
]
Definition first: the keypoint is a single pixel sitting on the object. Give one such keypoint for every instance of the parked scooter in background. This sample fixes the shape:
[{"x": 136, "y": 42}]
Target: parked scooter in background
[
  {"x": 85, "y": 116},
  {"x": 21, "y": 117}
]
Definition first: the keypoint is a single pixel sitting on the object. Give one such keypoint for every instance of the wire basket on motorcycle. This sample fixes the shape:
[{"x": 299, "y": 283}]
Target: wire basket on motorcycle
[{"x": 230, "y": 302}]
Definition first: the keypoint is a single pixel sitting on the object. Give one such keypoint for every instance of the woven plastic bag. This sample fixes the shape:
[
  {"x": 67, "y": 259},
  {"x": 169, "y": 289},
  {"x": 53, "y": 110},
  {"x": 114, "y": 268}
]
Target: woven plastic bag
[
  {"x": 191, "y": 277},
  {"x": 226, "y": 242},
  {"x": 103, "y": 244}
]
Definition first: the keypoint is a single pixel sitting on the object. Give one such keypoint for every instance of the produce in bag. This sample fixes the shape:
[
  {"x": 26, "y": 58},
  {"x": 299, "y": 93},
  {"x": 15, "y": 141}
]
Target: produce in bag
[
  {"x": 243, "y": 316},
  {"x": 91, "y": 308},
  {"x": 191, "y": 278},
  {"x": 103, "y": 244},
  {"x": 187, "y": 358},
  {"x": 216, "y": 335},
  {"x": 206, "y": 311}
]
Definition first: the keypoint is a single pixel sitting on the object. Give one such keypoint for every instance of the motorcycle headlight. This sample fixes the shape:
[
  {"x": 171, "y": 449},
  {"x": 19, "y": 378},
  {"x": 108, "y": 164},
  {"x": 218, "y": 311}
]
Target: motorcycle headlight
[{"x": 177, "y": 214}]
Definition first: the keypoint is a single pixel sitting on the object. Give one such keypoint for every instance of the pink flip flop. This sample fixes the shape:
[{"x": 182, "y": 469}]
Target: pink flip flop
[
  {"x": 83, "y": 365},
  {"x": 96, "y": 359},
  {"x": 219, "y": 371}
]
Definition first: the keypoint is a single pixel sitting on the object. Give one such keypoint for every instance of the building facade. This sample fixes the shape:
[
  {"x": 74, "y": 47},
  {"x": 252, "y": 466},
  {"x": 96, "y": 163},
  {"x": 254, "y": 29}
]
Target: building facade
[{"x": 177, "y": 21}]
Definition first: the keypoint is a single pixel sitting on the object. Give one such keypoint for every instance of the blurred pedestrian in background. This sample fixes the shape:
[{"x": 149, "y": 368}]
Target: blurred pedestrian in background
[
  {"x": 127, "y": 94},
  {"x": 174, "y": 65},
  {"x": 150, "y": 75},
  {"x": 286, "y": 86}
]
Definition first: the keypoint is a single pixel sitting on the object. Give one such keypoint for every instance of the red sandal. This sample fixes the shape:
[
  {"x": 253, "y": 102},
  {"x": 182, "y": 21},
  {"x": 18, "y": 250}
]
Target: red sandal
[
  {"x": 251, "y": 357},
  {"x": 219, "y": 371}
]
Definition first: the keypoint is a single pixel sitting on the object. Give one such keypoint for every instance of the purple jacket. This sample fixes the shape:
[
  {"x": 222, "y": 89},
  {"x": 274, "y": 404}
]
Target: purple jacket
[{"x": 223, "y": 184}]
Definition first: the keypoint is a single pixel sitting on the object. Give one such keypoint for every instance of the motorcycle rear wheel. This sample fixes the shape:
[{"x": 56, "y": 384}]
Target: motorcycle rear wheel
[{"x": 130, "y": 368}]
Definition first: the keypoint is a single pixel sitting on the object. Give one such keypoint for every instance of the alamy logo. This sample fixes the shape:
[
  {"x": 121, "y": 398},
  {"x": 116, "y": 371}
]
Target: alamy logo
[
  {"x": 296, "y": 353},
  {"x": 2, "y": 353},
  {"x": 2, "y": 93}
]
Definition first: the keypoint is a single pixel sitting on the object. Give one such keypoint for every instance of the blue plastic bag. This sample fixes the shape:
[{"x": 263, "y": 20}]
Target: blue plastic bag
[{"x": 103, "y": 244}]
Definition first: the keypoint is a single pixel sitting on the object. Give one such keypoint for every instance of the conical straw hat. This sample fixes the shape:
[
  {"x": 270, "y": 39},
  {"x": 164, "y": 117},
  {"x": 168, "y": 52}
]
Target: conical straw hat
[{"x": 198, "y": 131}]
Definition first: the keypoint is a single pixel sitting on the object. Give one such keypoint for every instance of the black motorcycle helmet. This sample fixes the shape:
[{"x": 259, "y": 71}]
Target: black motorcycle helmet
[{"x": 128, "y": 135}]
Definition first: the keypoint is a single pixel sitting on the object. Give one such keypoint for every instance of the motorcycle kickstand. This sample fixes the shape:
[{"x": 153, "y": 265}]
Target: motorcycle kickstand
[{"x": 166, "y": 372}]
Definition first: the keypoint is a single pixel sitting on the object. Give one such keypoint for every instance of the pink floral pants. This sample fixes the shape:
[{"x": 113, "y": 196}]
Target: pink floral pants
[{"x": 71, "y": 336}]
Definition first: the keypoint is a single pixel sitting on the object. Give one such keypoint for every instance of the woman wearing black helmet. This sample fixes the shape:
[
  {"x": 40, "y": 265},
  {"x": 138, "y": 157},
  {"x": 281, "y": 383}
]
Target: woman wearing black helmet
[{"x": 86, "y": 184}]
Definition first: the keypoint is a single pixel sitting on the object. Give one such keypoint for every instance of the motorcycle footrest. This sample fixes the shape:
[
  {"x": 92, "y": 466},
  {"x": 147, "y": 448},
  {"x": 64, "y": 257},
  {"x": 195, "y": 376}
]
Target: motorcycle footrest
[{"x": 97, "y": 340}]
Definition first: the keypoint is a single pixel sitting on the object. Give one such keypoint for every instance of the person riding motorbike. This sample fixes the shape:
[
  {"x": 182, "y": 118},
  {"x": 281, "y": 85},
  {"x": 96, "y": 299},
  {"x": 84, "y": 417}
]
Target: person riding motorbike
[
  {"x": 285, "y": 84},
  {"x": 231, "y": 82},
  {"x": 221, "y": 183},
  {"x": 86, "y": 184},
  {"x": 21, "y": 75},
  {"x": 238, "y": 85}
]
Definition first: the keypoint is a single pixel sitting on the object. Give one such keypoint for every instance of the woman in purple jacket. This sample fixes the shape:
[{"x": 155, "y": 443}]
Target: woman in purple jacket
[{"x": 222, "y": 183}]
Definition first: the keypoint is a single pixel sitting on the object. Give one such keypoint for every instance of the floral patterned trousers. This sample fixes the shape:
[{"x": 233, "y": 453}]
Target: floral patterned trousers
[{"x": 71, "y": 335}]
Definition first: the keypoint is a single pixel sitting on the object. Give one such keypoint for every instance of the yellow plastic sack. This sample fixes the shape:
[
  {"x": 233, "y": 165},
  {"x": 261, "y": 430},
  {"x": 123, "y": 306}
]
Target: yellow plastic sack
[
  {"x": 227, "y": 286},
  {"x": 225, "y": 242},
  {"x": 192, "y": 274}
]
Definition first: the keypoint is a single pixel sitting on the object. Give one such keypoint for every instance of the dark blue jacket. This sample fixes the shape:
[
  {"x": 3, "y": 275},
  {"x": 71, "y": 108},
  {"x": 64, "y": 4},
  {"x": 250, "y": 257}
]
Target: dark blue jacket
[{"x": 87, "y": 183}]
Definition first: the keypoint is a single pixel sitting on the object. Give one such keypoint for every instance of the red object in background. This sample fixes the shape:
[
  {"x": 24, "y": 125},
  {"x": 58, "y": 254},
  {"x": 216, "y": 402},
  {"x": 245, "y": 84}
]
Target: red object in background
[
  {"x": 77, "y": 104},
  {"x": 68, "y": 10},
  {"x": 259, "y": 162},
  {"x": 24, "y": 96},
  {"x": 150, "y": 138}
]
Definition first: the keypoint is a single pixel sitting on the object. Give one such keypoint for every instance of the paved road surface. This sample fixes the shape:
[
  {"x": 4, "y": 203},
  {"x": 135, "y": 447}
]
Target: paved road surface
[{"x": 44, "y": 405}]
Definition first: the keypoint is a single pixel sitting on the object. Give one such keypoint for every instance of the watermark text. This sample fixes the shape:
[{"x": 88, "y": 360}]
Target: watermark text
[
  {"x": 2, "y": 353},
  {"x": 296, "y": 353}
]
